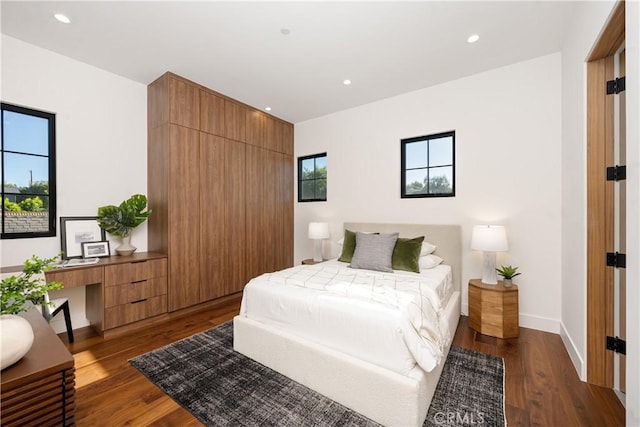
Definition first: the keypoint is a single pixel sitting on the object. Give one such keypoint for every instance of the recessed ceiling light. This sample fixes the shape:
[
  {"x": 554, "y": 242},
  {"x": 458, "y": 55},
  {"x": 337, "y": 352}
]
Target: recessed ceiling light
[
  {"x": 285, "y": 31},
  {"x": 474, "y": 38},
  {"x": 346, "y": 82},
  {"x": 267, "y": 108},
  {"x": 62, "y": 18}
]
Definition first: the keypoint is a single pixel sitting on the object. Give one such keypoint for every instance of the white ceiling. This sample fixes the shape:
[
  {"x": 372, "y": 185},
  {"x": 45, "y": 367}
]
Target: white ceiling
[{"x": 237, "y": 48}]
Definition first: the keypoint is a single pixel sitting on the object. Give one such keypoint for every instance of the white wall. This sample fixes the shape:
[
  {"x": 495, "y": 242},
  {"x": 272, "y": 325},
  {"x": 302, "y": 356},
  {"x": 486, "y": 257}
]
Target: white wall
[
  {"x": 101, "y": 142},
  {"x": 507, "y": 124},
  {"x": 581, "y": 36}
]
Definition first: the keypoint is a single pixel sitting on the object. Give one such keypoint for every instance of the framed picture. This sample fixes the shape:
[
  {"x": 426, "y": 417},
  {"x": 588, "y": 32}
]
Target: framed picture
[
  {"x": 75, "y": 230},
  {"x": 95, "y": 249}
]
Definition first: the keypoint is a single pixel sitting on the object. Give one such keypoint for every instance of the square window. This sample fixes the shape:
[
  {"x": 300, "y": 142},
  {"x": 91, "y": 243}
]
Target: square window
[{"x": 428, "y": 166}]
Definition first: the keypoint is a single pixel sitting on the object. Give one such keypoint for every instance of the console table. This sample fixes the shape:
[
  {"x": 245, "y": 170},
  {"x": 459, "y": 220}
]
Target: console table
[{"x": 39, "y": 389}]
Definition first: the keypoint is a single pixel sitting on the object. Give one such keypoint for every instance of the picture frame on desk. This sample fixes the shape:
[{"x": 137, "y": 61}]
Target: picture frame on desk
[
  {"x": 95, "y": 249},
  {"x": 75, "y": 230}
]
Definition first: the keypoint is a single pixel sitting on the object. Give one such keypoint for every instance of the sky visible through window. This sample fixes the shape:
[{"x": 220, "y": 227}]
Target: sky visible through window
[{"x": 25, "y": 134}]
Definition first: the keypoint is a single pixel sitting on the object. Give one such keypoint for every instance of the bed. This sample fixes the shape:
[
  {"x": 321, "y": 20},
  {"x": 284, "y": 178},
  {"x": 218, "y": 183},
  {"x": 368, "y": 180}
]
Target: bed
[{"x": 328, "y": 347}]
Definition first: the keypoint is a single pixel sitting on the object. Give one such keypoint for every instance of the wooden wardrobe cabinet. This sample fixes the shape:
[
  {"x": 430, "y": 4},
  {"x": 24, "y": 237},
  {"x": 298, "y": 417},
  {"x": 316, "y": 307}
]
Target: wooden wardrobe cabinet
[{"x": 220, "y": 178}]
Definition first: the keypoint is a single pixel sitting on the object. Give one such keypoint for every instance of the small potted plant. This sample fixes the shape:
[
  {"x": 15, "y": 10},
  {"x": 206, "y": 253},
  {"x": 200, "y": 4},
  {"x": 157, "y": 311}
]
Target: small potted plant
[
  {"x": 121, "y": 220},
  {"x": 16, "y": 335},
  {"x": 508, "y": 273}
]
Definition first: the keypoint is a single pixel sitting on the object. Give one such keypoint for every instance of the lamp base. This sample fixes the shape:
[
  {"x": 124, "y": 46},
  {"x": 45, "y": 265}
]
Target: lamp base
[
  {"x": 489, "y": 276},
  {"x": 317, "y": 250}
]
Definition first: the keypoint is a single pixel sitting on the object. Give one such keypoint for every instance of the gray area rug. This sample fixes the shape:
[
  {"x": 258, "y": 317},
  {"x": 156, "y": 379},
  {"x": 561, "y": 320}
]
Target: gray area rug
[{"x": 221, "y": 387}]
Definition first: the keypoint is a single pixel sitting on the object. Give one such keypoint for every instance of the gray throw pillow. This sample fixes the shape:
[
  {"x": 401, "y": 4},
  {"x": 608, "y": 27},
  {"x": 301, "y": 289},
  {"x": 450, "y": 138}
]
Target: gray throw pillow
[{"x": 373, "y": 251}]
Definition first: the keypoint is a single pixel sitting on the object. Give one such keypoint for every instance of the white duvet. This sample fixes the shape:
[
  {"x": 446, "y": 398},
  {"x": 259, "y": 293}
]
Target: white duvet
[{"x": 391, "y": 320}]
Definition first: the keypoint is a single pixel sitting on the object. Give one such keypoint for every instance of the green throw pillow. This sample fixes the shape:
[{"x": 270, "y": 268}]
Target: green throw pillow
[
  {"x": 348, "y": 246},
  {"x": 406, "y": 254}
]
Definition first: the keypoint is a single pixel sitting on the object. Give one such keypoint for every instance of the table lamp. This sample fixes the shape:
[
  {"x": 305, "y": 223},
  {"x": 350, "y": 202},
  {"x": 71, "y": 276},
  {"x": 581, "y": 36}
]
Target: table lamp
[
  {"x": 489, "y": 239},
  {"x": 318, "y": 231}
]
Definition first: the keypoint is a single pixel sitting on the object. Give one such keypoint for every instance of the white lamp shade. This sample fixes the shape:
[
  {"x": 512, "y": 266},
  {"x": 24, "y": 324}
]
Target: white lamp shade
[
  {"x": 489, "y": 238},
  {"x": 319, "y": 230}
]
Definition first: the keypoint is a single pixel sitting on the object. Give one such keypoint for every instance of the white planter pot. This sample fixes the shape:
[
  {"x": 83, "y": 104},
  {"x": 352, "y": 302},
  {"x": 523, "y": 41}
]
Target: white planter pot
[
  {"x": 126, "y": 248},
  {"x": 16, "y": 338}
]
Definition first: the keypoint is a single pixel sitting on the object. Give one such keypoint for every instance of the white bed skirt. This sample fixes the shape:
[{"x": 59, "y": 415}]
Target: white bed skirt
[{"x": 384, "y": 396}]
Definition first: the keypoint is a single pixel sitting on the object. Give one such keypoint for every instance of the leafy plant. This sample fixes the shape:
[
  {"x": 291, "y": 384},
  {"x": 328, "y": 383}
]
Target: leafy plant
[
  {"x": 15, "y": 291},
  {"x": 120, "y": 220},
  {"x": 507, "y": 271}
]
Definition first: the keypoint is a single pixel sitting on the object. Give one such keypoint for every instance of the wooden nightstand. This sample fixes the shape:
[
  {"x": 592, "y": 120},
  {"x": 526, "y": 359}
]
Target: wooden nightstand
[
  {"x": 493, "y": 309},
  {"x": 310, "y": 261}
]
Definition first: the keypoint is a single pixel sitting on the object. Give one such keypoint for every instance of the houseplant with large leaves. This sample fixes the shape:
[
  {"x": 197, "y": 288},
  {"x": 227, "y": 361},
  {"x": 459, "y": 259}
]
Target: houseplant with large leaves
[{"x": 120, "y": 220}]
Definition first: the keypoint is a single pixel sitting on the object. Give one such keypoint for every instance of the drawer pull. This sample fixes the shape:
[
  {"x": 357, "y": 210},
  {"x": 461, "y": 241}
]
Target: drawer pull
[
  {"x": 138, "y": 281},
  {"x": 138, "y": 262},
  {"x": 137, "y": 301}
]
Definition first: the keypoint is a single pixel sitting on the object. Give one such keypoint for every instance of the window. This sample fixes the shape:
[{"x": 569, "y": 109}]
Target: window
[
  {"x": 28, "y": 173},
  {"x": 428, "y": 166},
  {"x": 312, "y": 178}
]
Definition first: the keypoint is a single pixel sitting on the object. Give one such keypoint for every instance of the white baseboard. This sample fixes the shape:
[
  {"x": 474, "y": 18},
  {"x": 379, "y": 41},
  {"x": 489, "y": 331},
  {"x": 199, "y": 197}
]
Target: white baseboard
[{"x": 574, "y": 354}]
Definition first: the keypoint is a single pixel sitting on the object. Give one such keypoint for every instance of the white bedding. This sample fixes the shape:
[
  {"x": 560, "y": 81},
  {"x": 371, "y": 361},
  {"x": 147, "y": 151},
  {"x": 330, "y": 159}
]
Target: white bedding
[{"x": 394, "y": 319}]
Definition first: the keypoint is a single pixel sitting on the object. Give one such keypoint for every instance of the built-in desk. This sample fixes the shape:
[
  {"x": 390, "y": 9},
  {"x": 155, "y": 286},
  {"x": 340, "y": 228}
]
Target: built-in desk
[
  {"x": 39, "y": 389},
  {"x": 120, "y": 290}
]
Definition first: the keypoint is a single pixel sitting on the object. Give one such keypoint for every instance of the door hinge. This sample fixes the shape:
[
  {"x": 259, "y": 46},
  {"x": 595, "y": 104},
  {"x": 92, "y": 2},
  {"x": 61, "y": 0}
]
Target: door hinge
[
  {"x": 616, "y": 344},
  {"x": 616, "y": 86},
  {"x": 616, "y": 259},
  {"x": 616, "y": 173}
]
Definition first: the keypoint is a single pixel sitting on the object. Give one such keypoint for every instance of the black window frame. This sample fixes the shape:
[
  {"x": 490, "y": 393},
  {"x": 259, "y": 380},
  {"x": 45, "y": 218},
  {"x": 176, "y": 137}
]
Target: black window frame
[
  {"x": 300, "y": 180},
  {"x": 403, "y": 165},
  {"x": 51, "y": 117}
]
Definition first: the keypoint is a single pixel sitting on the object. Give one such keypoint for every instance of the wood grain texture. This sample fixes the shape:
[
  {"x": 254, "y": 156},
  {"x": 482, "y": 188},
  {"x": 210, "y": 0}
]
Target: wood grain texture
[
  {"x": 158, "y": 187},
  {"x": 184, "y": 217},
  {"x": 122, "y": 314},
  {"x": 184, "y": 103},
  {"x": 256, "y": 128},
  {"x": 257, "y": 226},
  {"x": 612, "y": 38},
  {"x": 599, "y": 222},
  {"x": 212, "y": 240},
  {"x": 134, "y": 271},
  {"x": 75, "y": 277},
  {"x": 541, "y": 385},
  {"x": 212, "y": 113},
  {"x": 493, "y": 309},
  {"x": 235, "y": 272},
  {"x": 235, "y": 121},
  {"x": 130, "y": 292},
  {"x": 158, "y": 102}
]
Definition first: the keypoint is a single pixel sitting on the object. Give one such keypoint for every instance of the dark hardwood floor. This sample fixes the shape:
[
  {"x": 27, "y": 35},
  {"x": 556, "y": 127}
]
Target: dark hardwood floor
[{"x": 542, "y": 387}]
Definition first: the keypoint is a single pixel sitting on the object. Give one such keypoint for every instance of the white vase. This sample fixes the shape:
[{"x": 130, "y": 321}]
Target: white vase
[
  {"x": 16, "y": 338},
  {"x": 126, "y": 248}
]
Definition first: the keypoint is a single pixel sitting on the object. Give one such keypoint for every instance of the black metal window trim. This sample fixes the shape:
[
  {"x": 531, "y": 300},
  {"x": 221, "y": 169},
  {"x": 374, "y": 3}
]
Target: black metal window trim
[
  {"x": 51, "y": 118},
  {"x": 403, "y": 165},
  {"x": 301, "y": 180}
]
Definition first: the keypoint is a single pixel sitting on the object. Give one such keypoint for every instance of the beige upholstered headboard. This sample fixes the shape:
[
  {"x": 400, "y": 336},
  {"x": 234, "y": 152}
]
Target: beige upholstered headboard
[{"x": 447, "y": 238}]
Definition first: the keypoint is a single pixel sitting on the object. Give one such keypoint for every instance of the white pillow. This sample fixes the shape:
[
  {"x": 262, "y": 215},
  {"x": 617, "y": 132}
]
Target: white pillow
[
  {"x": 427, "y": 248},
  {"x": 429, "y": 261}
]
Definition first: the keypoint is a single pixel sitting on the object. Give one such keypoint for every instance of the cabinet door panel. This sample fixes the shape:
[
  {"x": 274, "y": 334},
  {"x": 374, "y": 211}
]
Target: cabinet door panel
[
  {"x": 211, "y": 113},
  {"x": 184, "y": 103},
  {"x": 256, "y": 220},
  {"x": 212, "y": 202},
  {"x": 256, "y": 128},
  {"x": 235, "y": 276},
  {"x": 184, "y": 218},
  {"x": 235, "y": 121}
]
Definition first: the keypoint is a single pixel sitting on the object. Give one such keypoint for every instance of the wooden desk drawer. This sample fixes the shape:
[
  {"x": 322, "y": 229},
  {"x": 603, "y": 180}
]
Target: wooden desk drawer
[
  {"x": 72, "y": 278},
  {"x": 123, "y": 294},
  {"x": 132, "y": 312},
  {"x": 134, "y": 271}
]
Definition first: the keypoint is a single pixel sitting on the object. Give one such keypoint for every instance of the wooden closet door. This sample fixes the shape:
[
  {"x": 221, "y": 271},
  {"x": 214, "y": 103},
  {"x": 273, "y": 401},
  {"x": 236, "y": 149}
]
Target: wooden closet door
[
  {"x": 284, "y": 211},
  {"x": 212, "y": 237},
  {"x": 235, "y": 272},
  {"x": 184, "y": 217},
  {"x": 257, "y": 220}
]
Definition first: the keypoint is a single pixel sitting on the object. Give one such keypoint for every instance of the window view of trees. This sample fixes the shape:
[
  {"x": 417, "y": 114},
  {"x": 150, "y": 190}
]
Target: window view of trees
[
  {"x": 428, "y": 165},
  {"x": 312, "y": 178},
  {"x": 28, "y": 172}
]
